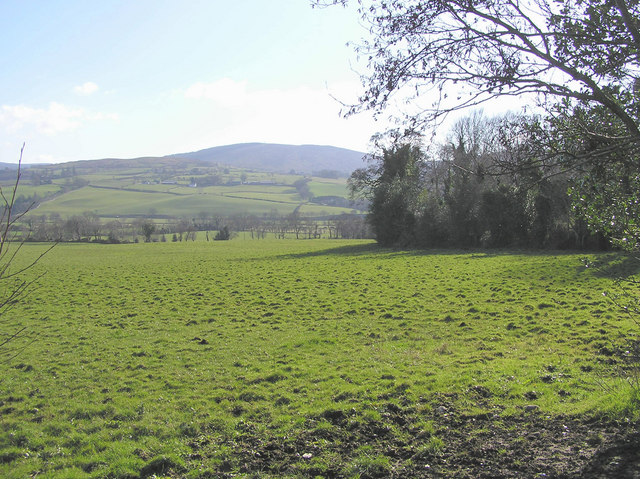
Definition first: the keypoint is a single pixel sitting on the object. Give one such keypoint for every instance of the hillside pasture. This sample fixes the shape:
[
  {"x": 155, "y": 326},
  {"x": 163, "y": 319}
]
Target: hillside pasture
[
  {"x": 311, "y": 358},
  {"x": 171, "y": 200},
  {"x": 328, "y": 187},
  {"x": 41, "y": 190},
  {"x": 163, "y": 192}
]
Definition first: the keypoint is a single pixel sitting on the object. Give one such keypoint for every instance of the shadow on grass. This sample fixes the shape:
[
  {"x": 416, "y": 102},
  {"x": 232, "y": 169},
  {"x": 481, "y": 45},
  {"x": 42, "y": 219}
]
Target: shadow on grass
[
  {"x": 373, "y": 248},
  {"x": 348, "y": 250},
  {"x": 616, "y": 265}
]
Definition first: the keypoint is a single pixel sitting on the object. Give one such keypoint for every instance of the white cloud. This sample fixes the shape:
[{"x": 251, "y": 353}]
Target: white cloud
[
  {"x": 226, "y": 92},
  {"x": 57, "y": 118},
  {"x": 86, "y": 89},
  {"x": 101, "y": 116},
  {"x": 44, "y": 158}
]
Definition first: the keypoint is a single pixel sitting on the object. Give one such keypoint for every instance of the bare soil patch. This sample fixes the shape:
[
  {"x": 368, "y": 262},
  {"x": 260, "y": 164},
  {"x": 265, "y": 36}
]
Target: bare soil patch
[{"x": 530, "y": 445}]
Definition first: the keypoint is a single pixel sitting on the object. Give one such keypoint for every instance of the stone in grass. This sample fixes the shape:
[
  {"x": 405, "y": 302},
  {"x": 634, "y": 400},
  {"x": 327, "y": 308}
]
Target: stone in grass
[{"x": 307, "y": 455}]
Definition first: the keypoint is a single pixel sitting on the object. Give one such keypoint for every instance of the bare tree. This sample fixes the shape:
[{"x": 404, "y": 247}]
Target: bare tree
[
  {"x": 294, "y": 221},
  {"x": 93, "y": 224}
]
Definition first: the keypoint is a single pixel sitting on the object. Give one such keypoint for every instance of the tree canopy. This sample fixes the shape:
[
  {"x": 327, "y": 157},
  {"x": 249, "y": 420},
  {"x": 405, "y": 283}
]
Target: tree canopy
[
  {"x": 470, "y": 52},
  {"x": 576, "y": 61}
]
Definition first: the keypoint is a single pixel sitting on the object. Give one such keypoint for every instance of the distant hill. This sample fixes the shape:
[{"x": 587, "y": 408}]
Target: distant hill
[
  {"x": 14, "y": 166},
  {"x": 124, "y": 163},
  {"x": 280, "y": 158}
]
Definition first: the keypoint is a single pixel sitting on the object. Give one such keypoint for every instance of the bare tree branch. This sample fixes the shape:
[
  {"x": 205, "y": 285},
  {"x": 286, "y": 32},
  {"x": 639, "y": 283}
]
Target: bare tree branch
[{"x": 16, "y": 286}]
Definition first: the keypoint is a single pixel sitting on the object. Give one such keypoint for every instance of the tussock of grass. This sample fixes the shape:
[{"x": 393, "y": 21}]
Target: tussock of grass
[{"x": 180, "y": 359}]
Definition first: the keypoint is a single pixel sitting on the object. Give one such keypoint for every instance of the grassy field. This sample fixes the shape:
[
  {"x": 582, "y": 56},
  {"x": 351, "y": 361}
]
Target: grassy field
[
  {"x": 187, "y": 202},
  {"x": 124, "y": 191},
  {"x": 295, "y": 358}
]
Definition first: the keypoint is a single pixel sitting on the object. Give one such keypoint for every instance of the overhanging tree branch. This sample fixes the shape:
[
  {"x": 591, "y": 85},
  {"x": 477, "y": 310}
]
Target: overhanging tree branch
[{"x": 566, "y": 49}]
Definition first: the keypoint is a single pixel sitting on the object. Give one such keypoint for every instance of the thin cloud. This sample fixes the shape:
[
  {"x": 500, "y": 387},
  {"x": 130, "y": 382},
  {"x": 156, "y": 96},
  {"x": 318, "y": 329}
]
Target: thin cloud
[
  {"x": 57, "y": 118},
  {"x": 86, "y": 89},
  {"x": 239, "y": 113},
  {"x": 225, "y": 92}
]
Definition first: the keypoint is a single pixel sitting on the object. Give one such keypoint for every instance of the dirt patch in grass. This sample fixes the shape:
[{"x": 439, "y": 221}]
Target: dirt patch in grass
[
  {"x": 486, "y": 445},
  {"x": 537, "y": 446}
]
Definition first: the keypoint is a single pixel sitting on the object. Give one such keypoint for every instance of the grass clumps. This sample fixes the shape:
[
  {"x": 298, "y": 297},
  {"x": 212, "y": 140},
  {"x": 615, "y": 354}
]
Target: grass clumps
[
  {"x": 369, "y": 465},
  {"x": 328, "y": 358}
]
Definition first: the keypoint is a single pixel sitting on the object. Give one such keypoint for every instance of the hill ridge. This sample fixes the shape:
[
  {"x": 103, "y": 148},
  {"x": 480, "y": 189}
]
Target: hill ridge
[{"x": 280, "y": 157}]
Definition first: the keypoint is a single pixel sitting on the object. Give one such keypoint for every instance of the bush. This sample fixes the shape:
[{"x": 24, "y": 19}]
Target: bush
[{"x": 223, "y": 235}]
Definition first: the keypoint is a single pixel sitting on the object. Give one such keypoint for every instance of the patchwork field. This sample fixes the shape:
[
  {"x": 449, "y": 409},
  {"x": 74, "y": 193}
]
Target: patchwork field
[
  {"x": 184, "y": 201},
  {"x": 312, "y": 358},
  {"x": 113, "y": 190}
]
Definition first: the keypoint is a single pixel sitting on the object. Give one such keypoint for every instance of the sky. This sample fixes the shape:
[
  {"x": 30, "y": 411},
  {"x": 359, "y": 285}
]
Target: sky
[{"x": 85, "y": 79}]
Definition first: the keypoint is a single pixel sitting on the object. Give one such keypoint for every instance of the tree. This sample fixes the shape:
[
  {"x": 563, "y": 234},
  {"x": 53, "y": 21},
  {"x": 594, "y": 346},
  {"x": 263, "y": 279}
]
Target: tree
[
  {"x": 466, "y": 158},
  {"x": 223, "y": 235},
  {"x": 392, "y": 183},
  {"x": 115, "y": 231},
  {"x": 302, "y": 187},
  {"x": 349, "y": 226},
  {"x": 503, "y": 212},
  {"x": 93, "y": 226},
  {"x": 578, "y": 59},
  {"x": 183, "y": 226},
  {"x": 75, "y": 227},
  {"x": 470, "y": 52},
  {"x": 147, "y": 227},
  {"x": 294, "y": 221}
]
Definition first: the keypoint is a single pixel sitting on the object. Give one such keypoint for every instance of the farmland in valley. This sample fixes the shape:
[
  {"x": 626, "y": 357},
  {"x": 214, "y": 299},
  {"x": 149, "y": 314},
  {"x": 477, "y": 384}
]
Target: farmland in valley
[
  {"x": 182, "y": 190},
  {"x": 308, "y": 358}
]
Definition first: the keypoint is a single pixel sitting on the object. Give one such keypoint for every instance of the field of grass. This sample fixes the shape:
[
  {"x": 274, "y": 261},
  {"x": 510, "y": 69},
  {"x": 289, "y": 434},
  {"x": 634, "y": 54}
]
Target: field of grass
[
  {"x": 128, "y": 193},
  {"x": 328, "y": 187},
  {"x": 179, "y": 201},
  {"x": 41, "y": 190},
  {"x": 294, "y": 358}
]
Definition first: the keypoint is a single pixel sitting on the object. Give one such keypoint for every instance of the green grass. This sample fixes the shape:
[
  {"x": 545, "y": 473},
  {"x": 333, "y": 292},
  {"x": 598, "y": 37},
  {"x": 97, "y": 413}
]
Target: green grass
[
  {"x": 111, "y": 195},
  {"x": 328, "y": 187},
  {"x": 29, "y": 191},
  {"x": 176, "y": 202},
  {"x": 179, "y": 359}
]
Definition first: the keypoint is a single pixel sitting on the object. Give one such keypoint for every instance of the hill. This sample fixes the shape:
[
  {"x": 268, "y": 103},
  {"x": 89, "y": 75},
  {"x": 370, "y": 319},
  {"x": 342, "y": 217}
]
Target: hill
[
  {"x": 175, "y": 187},
  {"x": 281, "y": 158},
  {"x": 224, "y": 181}
]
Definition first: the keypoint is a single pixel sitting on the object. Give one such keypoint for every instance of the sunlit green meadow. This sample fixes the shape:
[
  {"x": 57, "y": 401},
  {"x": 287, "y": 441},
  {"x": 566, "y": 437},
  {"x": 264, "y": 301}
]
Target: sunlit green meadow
[
  {"x": 188, "y": 359},
  {"x": 133, "y": 192},
  {"x": 180, "y": 202}
]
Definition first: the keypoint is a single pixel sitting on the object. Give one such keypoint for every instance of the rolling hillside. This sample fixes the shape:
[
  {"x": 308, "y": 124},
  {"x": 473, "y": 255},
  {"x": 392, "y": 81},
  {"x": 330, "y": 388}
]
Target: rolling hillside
[
  {"x": 281, "y": 158},
  {"x": 217, "y": 181}
]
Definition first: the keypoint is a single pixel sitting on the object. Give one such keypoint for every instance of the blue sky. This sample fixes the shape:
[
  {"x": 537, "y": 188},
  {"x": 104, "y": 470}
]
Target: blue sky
[{"x": 85, "y": 79}]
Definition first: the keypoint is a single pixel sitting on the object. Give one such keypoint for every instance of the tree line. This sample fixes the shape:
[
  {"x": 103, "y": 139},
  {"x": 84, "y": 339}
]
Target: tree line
[
  {"x": 89, "y": 227},
  {"x": 469, "y": 191},
  {"x": 570, "y": 164}
]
